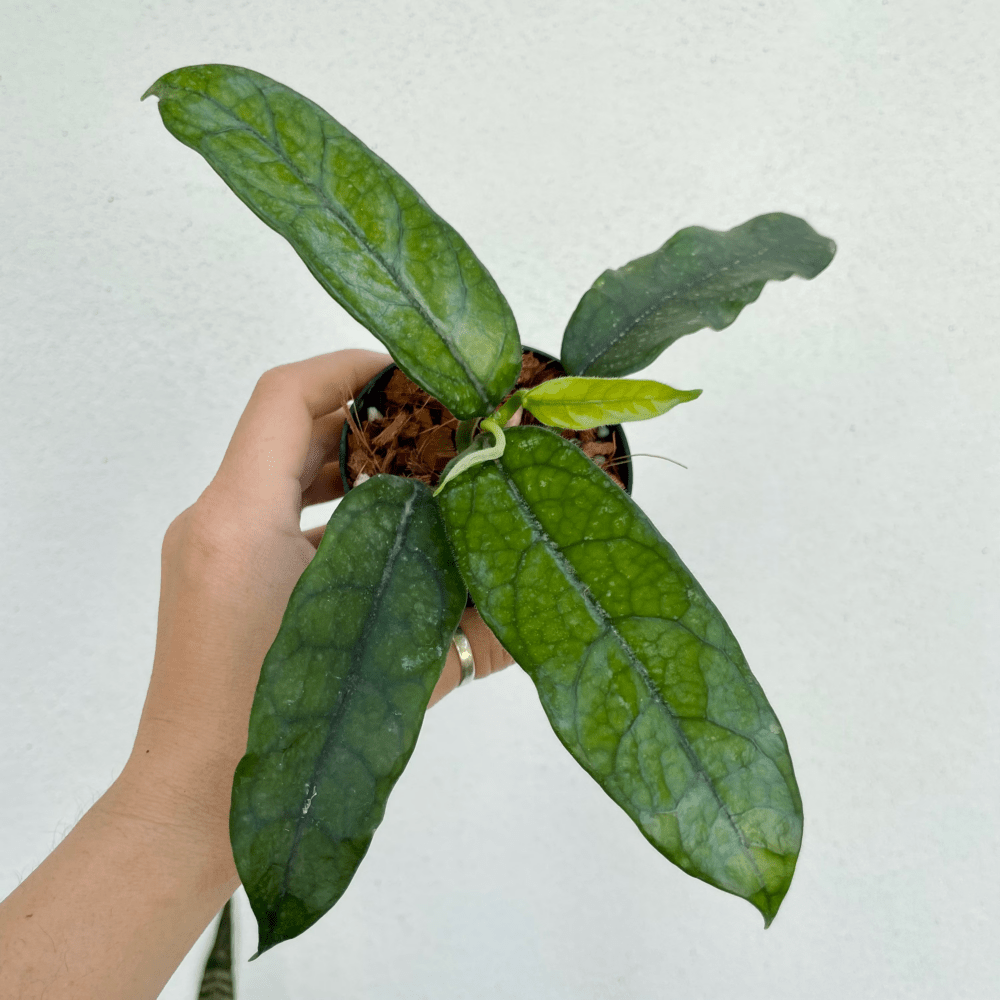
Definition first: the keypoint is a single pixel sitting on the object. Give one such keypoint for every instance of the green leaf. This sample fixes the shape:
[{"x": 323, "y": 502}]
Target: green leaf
[
  {"x": 699, "y": 277},
  {"x": 474, "y": 456},
  {"x": 340, "y": 701},
  {"x": 578, "y": 403},
  {"x": 639, "y": 674},
  {"x": 369, "y": 239},
  {"x": 217, "y": 979}
]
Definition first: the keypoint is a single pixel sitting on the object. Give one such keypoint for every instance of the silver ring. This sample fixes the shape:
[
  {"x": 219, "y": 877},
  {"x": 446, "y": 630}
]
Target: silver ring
[{"x": 465, "y": 660}]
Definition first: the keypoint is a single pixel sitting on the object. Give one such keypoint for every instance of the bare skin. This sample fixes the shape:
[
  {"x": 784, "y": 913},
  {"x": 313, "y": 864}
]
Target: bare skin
[{"x": 113, "y": 910}]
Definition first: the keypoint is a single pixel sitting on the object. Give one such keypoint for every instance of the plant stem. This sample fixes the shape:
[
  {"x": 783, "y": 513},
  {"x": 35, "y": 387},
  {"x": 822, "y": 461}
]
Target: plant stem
[
  {"x": 464, "y": 432},
  {"x": 503, "y": 413}
]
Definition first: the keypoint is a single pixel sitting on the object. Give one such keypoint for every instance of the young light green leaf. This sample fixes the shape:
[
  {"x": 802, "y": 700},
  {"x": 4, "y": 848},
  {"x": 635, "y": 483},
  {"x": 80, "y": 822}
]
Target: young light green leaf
[
  {"x": 699, "y": 277},
  {"x": 340, "y": 701},
  {"x": 577, "y": 403},
  {"x": 366, "y": 235},
  {"x": 474, "y": 456},
  {"x": 639, "y": 674}
]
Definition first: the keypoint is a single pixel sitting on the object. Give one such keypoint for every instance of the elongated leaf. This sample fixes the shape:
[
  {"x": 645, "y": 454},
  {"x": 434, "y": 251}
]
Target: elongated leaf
[
  {"x": 217, "y": 979},
  {"x": 340, "y": 701},
  {"x": 578, "y": 403},
  {"x": 476, "y": 453},
  {"x": 369, "y": 239},
  {"x": 636, "y": 669},
  {"x": 699, "y": 277}
]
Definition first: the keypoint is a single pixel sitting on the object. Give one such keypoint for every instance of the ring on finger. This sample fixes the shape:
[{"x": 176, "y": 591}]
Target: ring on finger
[{"x": 464, "y": 649}]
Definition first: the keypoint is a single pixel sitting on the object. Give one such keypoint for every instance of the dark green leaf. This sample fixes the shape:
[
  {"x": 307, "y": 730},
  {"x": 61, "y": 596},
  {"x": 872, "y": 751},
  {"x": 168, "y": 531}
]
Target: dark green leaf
[
  {"x": 340, "y": 701},
  {"x": 217, "y": 980},
  {"x": 369, "y": 239},
  {"x": 636, "y": 669},
  {"x": 699, "y": 277}
]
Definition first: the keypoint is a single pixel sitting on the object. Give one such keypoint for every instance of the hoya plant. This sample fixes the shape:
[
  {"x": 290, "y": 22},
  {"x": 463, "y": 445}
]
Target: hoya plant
[{"x": 636, "y": 669}]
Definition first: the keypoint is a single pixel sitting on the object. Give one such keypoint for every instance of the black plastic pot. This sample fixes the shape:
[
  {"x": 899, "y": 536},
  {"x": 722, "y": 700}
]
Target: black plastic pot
[{"x": 373, "y": 394}]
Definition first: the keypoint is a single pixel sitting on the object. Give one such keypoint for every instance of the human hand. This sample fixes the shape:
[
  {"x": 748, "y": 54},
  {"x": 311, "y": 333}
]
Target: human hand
[
  {"x": 230, "y": 561},
  {"x": 116, "y": 906}
]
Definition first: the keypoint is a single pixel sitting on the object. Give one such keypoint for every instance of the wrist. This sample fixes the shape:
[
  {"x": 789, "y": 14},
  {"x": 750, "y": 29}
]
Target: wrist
[
  {"x": 116, "y": 906},
  {"x": 184, "y": 793}
]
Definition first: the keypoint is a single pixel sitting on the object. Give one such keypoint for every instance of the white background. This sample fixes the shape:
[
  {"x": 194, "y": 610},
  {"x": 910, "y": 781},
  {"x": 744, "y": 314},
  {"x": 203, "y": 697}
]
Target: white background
[{"x": 840, "y": 504}]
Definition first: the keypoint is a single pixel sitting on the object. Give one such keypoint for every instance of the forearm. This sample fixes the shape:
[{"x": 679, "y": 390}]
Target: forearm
[{"x": 113, "y": 910}]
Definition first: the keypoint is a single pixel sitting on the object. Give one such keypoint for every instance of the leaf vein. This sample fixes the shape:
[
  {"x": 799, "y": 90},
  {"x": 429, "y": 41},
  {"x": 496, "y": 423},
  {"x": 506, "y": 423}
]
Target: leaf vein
[
  {"x": 414, "y": 299},
  {"x": 600, "y": 615},
  {"x": 353, "y": 670}
]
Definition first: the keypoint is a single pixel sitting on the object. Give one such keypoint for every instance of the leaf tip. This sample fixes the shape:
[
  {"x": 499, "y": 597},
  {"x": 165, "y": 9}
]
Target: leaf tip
[
  {"x": 268, "y": 935},
  {"x": 767, "y": 905},
  {"x": 152, "y": 89},
  {"x": 774, "y": 872},
  {"x": 778, "y": 875},
  {"x": 265, "y": 942}
]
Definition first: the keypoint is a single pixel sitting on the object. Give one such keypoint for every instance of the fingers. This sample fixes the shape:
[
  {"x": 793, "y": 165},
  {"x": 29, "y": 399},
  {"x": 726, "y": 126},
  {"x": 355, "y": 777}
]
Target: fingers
[
  {"x": 315, "y": 535},
  {"x": 326, "y": 486},
  {"x": 277, "y": 435},
  {"x": 487, "y": 653},
  {"x": 323, "y": 445}
]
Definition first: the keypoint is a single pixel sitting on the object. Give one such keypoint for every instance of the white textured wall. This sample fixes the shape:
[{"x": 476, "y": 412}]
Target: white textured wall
[{"x": 840, "y": 506}]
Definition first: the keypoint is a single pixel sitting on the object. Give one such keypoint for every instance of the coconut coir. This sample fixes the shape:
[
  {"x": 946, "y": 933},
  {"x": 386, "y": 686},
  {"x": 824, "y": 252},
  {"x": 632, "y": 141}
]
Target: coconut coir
[{"x": 415, "y": 435}]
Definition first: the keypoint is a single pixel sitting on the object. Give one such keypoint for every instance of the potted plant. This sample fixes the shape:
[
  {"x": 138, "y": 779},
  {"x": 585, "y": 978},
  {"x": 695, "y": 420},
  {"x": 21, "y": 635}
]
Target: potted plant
[
  {"x": 395, "y": 427},
  {"x": 638, "y": 673}
]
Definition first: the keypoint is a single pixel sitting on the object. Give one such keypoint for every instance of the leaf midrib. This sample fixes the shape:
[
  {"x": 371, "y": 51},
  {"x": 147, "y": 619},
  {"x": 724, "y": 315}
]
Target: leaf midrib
[
  {"x": 411, "y": 294},
  {"x": 658, "y": 304},
  {"x": 598, "y": 612},
  {"x": 338, "y": 711}
]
